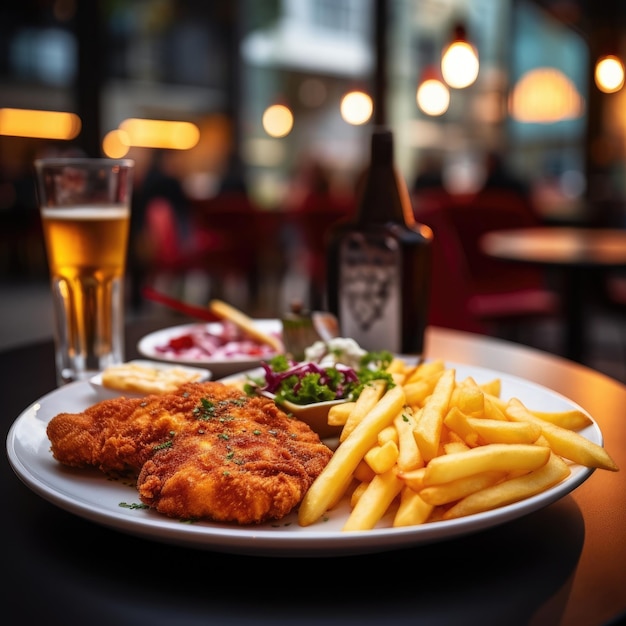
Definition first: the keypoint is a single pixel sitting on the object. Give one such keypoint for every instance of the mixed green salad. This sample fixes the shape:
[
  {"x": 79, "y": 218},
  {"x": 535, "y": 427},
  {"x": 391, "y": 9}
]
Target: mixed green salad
[{"x": 337, "y": 369}]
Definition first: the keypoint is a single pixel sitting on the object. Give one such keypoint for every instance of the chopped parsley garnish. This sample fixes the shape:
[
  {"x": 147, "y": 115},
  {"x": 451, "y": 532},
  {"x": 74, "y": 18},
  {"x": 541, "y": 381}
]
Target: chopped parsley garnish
[
  {"x": 133, "y": 505},
  {"x": 165, "y": 444},
  {"x": 206, "y": 409}
]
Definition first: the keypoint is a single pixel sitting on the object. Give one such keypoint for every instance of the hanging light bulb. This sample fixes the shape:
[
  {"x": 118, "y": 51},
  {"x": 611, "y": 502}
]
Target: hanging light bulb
[
  {"x": 433, "y": 95},
  {"x": 356, "y": 107},
  {"x": 609, "y": 74},
  {"x": 545, "y": 95},
  {"x": 459, "y": 61},
  {"x": 277, "y": 120}
]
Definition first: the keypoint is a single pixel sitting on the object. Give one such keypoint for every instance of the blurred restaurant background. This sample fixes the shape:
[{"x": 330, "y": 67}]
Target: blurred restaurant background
[{"x": 249, "y": 122}]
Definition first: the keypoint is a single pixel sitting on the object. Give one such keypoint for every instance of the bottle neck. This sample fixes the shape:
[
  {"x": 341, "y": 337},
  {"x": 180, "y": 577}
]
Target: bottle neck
[{"x": 384, "y": 196}]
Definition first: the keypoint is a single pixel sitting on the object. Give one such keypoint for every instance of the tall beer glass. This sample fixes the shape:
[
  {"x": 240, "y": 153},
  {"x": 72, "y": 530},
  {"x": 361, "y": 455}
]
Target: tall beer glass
[{"x": 85, "y": 212}]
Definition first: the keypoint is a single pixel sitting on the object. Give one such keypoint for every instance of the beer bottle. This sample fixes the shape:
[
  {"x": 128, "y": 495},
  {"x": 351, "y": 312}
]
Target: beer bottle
[{"x": 379, "y": 263}]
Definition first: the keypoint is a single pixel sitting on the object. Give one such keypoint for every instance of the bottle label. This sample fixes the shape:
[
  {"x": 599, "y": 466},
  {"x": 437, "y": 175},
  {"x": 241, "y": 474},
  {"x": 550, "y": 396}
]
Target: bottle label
[{"x": 369, "y": 291}]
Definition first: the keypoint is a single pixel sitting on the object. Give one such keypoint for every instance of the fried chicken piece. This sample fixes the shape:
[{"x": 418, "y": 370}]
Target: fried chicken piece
[{"x": 206, "y": 451}]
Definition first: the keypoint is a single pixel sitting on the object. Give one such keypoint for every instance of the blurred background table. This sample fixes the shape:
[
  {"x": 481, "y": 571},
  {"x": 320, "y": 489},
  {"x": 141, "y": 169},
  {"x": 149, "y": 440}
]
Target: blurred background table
[
  {"x": 565, "y": 564},
  {"x": 576, "y": 253}
]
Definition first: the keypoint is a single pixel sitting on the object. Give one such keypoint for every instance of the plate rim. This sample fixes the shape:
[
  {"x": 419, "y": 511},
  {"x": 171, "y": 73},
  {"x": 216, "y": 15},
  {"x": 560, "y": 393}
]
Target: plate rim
[
  {"x": 267, "y": 539},
  {"x": 181, "y": 328}
]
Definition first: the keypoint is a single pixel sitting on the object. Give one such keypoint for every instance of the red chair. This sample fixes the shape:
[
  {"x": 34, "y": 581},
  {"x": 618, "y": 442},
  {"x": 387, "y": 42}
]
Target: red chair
[
  {"x": 472, "y": 291},
  {"x": 224, "y": 241}
]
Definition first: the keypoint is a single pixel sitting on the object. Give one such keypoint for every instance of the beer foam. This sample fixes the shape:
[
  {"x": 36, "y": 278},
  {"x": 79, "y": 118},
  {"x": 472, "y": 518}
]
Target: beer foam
[{"x": 96, "y": 212}]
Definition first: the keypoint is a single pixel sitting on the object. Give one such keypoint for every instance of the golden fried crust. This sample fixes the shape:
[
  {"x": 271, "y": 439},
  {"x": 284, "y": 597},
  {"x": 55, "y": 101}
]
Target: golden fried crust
[{"x": 203, "y": 452}]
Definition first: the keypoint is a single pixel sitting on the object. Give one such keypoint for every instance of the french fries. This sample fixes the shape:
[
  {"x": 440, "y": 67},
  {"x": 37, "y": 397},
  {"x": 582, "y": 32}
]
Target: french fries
[
  {"x": 427, "y": 431},
  {"x": 566, "y": 443},
  {"x": 432, "y": 448},
  {"x": 511, "y": 490},
  {"x": 326, "y": 487},
  {"x": 370, "y": 395}
]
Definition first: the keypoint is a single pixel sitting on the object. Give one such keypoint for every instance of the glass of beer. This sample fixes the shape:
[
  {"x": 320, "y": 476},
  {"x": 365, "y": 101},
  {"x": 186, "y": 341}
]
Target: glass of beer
[{"x": 84, "y": 205}]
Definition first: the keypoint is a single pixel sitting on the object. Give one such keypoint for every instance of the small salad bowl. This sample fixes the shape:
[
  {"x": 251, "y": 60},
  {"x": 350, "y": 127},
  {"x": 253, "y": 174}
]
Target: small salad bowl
[
  {"x": 338, "y": 366},
  {"x": 315, "y": 414}
]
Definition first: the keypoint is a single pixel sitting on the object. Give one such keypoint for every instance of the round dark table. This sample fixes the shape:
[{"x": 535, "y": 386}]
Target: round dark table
[
  {"x": 576, "y": 253},
  {"x": 564, "y": 564}
]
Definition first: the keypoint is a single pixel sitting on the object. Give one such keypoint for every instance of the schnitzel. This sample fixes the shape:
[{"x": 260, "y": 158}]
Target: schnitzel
[{"x": 205, "y": 451}]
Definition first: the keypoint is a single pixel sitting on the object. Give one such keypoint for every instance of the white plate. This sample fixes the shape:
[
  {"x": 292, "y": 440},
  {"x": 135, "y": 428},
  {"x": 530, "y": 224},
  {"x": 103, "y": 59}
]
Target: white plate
[
  {"x": 91, "y": 495},
  {"x": 148, "y": 345},
  {"x": 96, "y": 380}
]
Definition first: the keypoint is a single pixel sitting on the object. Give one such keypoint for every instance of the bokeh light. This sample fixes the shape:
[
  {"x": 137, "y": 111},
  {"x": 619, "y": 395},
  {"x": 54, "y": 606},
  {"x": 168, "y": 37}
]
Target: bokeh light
[
  {"x": 356, "y": 108},
  {"x": 609, "y": 74},
  {"x": 277, "y": 120},
  {"x": 433, "y": 97}
]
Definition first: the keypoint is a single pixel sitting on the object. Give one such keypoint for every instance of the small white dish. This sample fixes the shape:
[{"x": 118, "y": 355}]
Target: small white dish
[
  {"x": 201, "y": 373},
  {"x": 151, "y": 346}
]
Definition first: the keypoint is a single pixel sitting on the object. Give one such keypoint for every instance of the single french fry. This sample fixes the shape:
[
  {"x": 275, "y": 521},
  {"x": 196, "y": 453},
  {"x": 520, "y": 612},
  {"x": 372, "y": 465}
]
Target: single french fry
[
  {"x": 389, "y": 433},
  {"x": 499, "y": 402},
  {"x": 398, "y": 370},
  {"x": 348, "y": 482},
  {"x": 492, "y": 410},
  {"x": 409, "y": 455},
  {"x": 418, "y": 390},
  {"x": 347, "y": 456},
  {"x": 499, "y": 431},
  {"x": 412, "y": 510},
  {"x": 370, "y": 395},
  {"x": 572, "y": 419},
  {"x": 426, "y": 369},
  {"x": 413, "y": 479},
  {"x": 469, "y": 399},
  {"x": 468, "y": 381},
  {"x": 512, "y": 490},
  {"x": 427, "y": 431},
  {"x": 359, "y": 490},
  {"x": 338, "y": 414},
  {"x": 542, "y": 441},
  {"x": 363, "y": 472},
  {"x": 501, "y": 457},
  {"x": 459, "y": 488},
  {"x": 245, "y": 323},
  {"x": 492, "y": 387},
  {"x": 374, "y": 501},
  {"x": 382, "y": 458},
  {"x": 566, "y": 443},
  {"x": 457, "y": 422}
]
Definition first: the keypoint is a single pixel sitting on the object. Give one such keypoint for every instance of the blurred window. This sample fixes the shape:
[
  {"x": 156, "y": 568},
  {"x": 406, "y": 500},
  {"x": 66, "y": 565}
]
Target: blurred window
[{"x": 46, "y": 55}]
